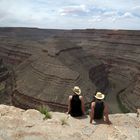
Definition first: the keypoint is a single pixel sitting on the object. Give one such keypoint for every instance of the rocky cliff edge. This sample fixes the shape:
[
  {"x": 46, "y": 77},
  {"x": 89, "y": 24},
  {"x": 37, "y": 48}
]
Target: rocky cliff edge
[{"x": 18, "y": 124}]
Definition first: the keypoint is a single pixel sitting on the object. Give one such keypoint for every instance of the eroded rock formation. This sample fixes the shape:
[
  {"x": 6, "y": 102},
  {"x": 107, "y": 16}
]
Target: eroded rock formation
[
  {"x": 48, "y": 63},
  {"x": 5, "y": 76}
]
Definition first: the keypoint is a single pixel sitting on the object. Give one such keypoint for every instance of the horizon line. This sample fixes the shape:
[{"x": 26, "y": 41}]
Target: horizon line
[{"x": 40, "y": 28}]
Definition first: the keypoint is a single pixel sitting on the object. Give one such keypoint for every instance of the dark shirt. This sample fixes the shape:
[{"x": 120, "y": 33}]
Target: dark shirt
[
  {"x": 98, "y": 110},
  {"x": 75, "y": 106}
]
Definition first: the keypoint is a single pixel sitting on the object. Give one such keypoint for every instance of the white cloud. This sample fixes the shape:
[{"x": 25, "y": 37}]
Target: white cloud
[
  {"x": 136, "y": 10},
  {"x": 127, "y": 15},
  {"x": 110, "y": 13},
  {"x": 74, "y": 9},
  {"x": 95, "y": 19}
]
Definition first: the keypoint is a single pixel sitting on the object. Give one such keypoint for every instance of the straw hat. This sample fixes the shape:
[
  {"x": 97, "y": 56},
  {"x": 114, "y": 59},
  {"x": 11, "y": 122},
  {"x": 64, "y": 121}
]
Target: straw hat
[
  {"x": 77, "y": 90},
  {"x": 99, "y": 95}
]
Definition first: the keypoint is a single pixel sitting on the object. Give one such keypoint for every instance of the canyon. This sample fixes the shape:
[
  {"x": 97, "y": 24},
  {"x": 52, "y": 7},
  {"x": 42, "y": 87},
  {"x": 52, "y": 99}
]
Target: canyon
[{"x": 45, "y": 64}]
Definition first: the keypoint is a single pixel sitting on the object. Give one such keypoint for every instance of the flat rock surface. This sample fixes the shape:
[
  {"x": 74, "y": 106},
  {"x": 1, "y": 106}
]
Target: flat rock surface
[{"x": 18, "y": 124}]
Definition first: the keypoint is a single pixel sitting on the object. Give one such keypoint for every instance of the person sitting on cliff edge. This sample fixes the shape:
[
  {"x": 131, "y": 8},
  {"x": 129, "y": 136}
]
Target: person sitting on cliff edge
[
  {"x": 99, "y": 109},
  {"x": 76, "y": 103}
]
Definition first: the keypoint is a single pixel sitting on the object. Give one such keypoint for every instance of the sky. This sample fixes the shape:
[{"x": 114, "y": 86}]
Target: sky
[{"x": 71, "y": 14}]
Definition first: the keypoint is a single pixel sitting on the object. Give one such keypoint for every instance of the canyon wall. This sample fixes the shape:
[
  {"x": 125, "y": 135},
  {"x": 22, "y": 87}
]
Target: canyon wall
[{"x": 48, "y": 63}]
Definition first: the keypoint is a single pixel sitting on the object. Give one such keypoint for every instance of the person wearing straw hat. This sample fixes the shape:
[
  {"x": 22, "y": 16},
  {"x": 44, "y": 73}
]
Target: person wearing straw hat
[
  {"x": 76, "y": 103},
  {"x": 99, "y": 109}
]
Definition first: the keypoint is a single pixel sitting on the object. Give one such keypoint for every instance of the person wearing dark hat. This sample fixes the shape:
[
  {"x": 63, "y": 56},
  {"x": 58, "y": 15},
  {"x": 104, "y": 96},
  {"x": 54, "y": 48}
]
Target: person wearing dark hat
[
  {"x": 99, "y": 109},
  {"x": 76, "y": 103}
]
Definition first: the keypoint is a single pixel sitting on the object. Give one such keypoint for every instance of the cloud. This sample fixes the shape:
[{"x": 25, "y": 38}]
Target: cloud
[
  {"x": 21, "y": 12},
  {"x": 74, "y": 10},
  {"x": 136, "y": 10},
  {"x": 127, "y": 15},
  {"x": 110, "y": 13},
  {"x": 95, "y": 19}
]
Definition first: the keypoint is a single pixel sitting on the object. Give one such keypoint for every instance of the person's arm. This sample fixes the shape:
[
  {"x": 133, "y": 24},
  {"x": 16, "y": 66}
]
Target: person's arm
[
  {"x": 82, "y": 104},
  {"x": 92, "y": 112},
  {"x": 69, "y": 104},
  {"x": 106, "y": 110}
]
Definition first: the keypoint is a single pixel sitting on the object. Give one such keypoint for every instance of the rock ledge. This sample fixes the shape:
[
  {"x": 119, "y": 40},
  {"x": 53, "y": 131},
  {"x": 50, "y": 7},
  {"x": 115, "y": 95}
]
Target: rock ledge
[{"x": 18, "y": 124}]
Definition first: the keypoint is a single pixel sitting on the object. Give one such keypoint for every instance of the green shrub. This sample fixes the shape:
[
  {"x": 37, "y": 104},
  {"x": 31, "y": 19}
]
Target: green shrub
[{"x": 44, "y": 110}]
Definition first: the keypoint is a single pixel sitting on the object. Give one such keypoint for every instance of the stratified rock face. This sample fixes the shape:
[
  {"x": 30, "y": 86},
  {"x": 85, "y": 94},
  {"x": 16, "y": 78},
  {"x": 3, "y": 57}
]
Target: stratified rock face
[
  {"x": 99, "y": 76},
  {"x": 49, "y": 63},
  {"x": 51, "y": 77},
  {"x": 18, "y": 124},
  {"x": 3, "y": 71}
]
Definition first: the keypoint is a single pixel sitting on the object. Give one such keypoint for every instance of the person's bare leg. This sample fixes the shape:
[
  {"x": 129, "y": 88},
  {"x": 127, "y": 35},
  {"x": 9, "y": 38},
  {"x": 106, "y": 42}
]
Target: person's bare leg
[
  {"x": 82, "y": 105},
  {"x": 106, "y": 115}
]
